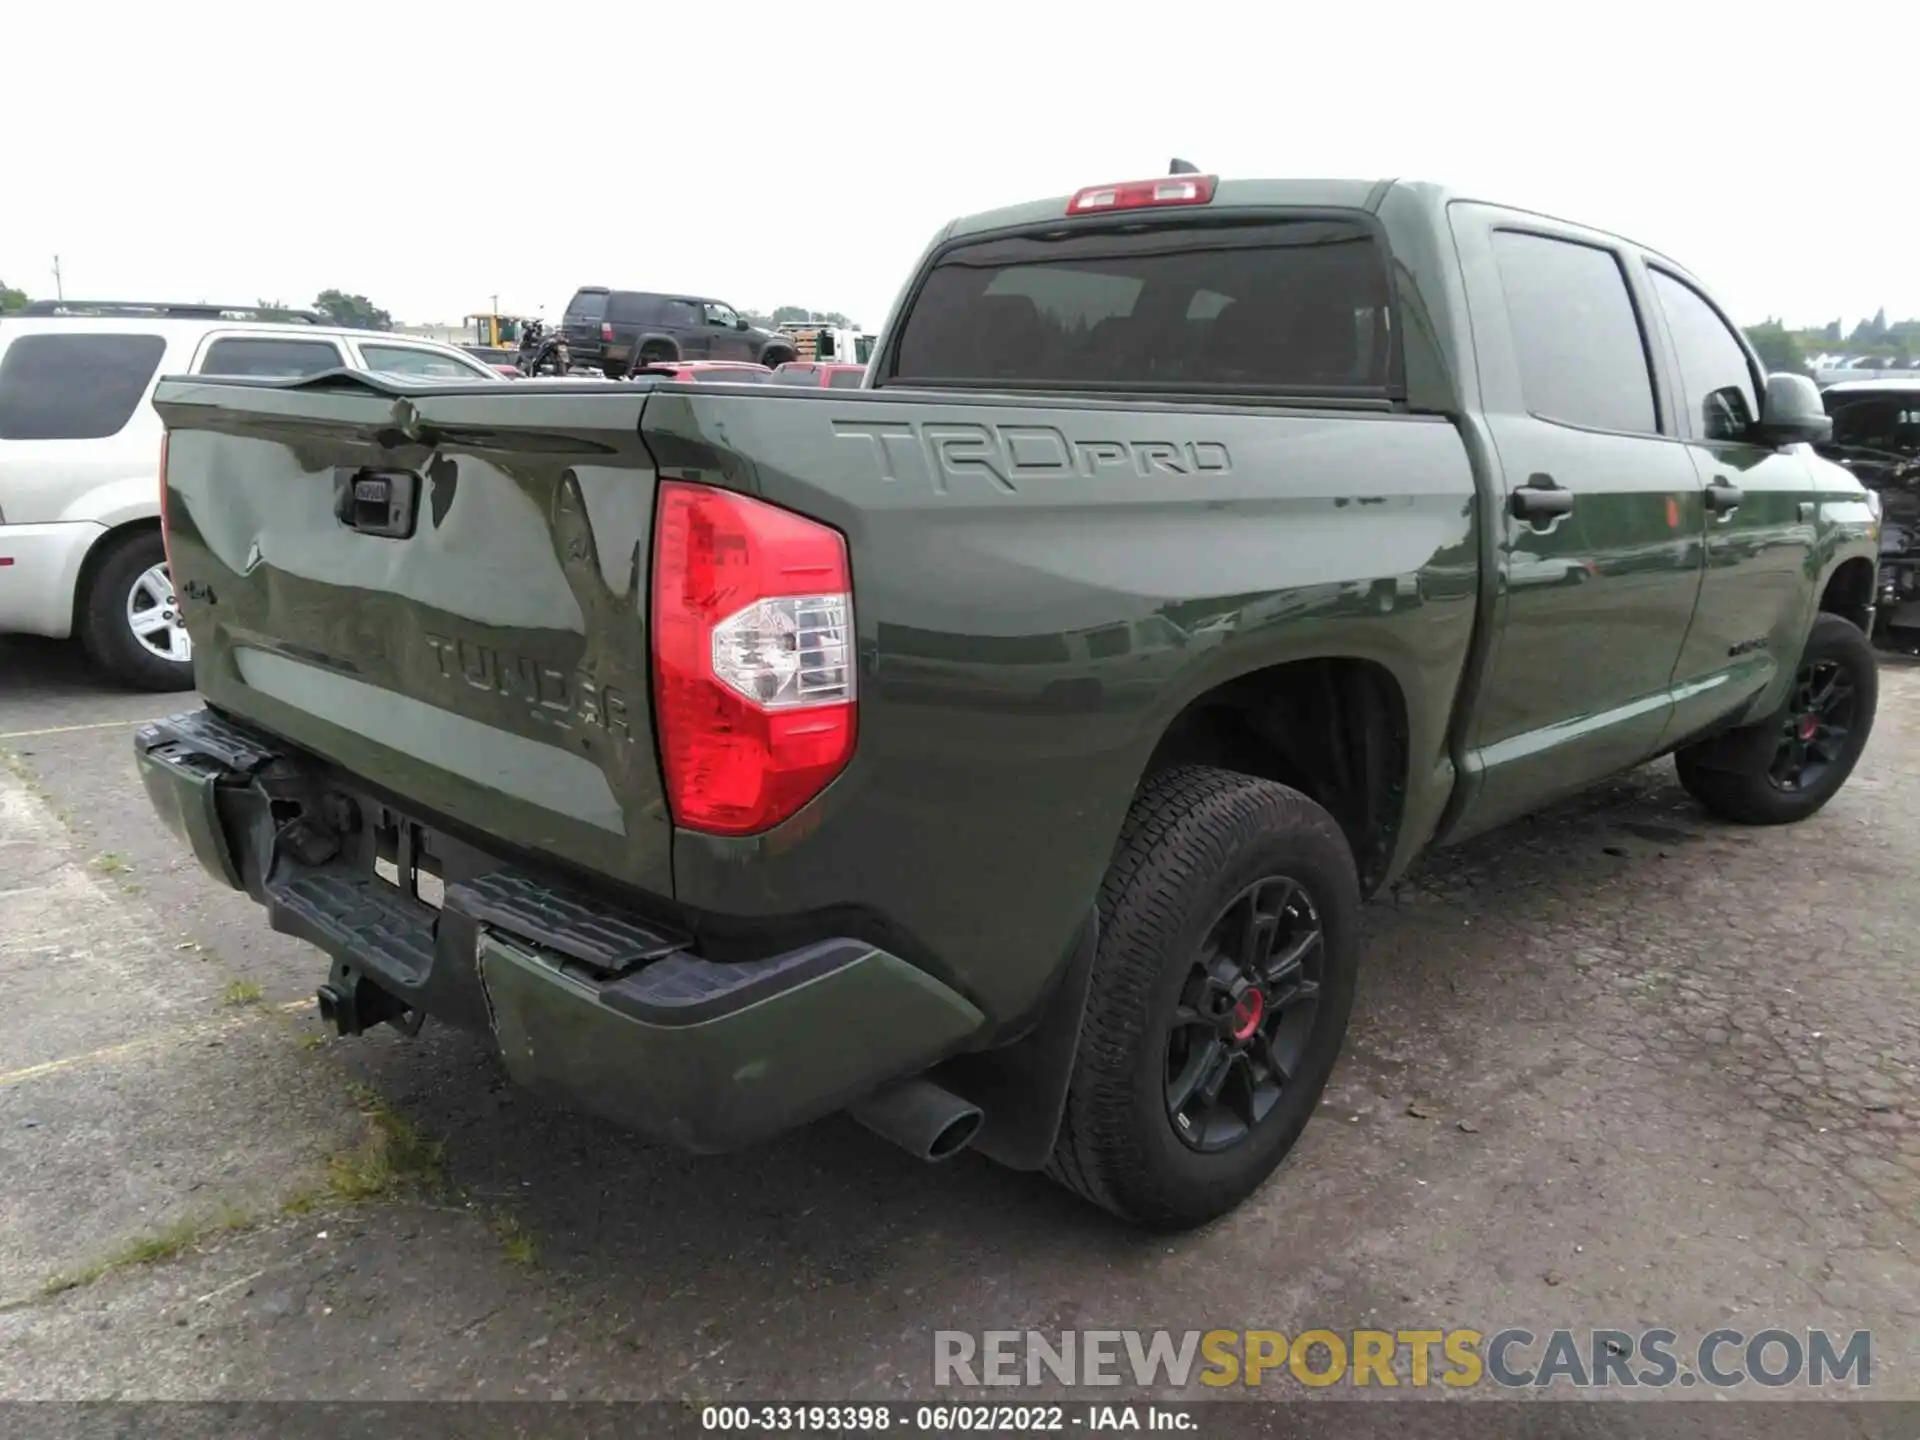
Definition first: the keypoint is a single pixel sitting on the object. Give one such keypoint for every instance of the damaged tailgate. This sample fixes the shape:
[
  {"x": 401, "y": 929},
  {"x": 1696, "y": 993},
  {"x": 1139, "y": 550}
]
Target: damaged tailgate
[{"x": 440, "y": 589}]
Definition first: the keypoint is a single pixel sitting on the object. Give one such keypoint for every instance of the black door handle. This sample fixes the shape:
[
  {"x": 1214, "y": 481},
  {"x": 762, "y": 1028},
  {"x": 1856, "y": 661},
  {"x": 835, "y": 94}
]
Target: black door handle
[
  {"x": 1722, "y": 498},
  {"x": 1540, "y": 499}
]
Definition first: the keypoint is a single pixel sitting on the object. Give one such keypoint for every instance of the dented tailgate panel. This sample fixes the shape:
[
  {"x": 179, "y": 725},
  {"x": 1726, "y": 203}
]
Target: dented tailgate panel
[{"x": 442, "y": 593}]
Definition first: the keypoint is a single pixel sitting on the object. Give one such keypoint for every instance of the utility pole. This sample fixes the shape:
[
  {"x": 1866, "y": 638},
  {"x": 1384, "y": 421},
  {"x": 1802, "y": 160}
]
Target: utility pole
[
  {"x": 59, "y": 291},
  {"x": 496, "y": 304}
]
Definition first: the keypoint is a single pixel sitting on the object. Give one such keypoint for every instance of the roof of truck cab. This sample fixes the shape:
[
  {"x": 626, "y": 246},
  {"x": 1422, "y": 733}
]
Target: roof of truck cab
[
  {"x": 1303, "y": 194},
  {"x": 1293, "y": 194}
]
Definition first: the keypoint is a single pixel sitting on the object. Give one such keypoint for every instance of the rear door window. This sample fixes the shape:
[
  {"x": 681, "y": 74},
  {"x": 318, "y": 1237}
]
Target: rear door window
[
  {"x": 1583, "y": 360},
  {"x": 269, "y": 357},
  {"x": 74, "y": 387},
  {"x": 634, "y": 309},
  {"x": 1296, "y": 305},
  {"x": 845, "y": 379}
]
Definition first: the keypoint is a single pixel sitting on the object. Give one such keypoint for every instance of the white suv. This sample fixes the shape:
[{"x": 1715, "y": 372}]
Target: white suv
[{"x": 80, "y": 546}]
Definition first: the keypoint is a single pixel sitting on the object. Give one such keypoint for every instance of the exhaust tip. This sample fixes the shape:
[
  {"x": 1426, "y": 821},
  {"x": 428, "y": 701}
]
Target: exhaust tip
[
  {"x": 955, "y": 1137},
  {"x": 924, "y": 1120}
]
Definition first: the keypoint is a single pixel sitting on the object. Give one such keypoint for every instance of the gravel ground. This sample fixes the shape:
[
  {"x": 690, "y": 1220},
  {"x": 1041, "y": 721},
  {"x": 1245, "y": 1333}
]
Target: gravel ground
[{"x": 1616, "y": 1066}]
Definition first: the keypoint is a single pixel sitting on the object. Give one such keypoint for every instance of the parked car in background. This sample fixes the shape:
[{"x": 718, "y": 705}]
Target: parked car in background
[
  {"x": 847, "y": 345},
  {"x": 80, "y": 544},
  {"x": 820, "y": 376},
  {"x": 1876, "y": 435},
  {"x": 615, "y": 330},
  {"x": 732, "y": 372}
]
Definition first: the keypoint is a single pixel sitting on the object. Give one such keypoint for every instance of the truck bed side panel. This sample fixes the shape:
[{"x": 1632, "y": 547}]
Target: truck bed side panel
[{"x": 1040, "y": 588}]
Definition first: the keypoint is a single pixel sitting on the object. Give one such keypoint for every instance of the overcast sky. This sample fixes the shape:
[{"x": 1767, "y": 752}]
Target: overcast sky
[{"x": 432, "y": 155}]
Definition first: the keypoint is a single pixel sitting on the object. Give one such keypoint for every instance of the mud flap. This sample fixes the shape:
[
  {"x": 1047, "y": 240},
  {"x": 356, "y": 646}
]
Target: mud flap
[{"x": 1022, "y": 1088}]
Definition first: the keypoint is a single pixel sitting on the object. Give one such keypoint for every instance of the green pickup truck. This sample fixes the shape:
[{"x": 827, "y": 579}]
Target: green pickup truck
[{"x": 1001, "y": 752}]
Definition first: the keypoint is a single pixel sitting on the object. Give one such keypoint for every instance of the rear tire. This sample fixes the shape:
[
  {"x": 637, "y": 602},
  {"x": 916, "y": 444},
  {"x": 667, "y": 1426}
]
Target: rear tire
[
  {"x": 1196, "y": 844},
  {"x": 131, "y": 580},
  {"x": 1837, "y": 671}
]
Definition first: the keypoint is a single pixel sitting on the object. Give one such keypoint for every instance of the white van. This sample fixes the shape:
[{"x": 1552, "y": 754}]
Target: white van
[{"x": 80, "y": 547}]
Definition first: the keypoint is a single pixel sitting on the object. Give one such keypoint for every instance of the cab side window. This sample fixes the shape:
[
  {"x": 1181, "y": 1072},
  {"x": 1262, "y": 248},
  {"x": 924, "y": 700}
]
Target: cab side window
[
  {"x": 1576, "y": 334},
  {"x": 1714, "y": 371}
]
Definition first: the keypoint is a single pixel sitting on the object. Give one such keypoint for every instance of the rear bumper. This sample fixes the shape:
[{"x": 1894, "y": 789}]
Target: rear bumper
[
  {"x": 586, "y": 1000},
  {"x": 39, "y": 567}
]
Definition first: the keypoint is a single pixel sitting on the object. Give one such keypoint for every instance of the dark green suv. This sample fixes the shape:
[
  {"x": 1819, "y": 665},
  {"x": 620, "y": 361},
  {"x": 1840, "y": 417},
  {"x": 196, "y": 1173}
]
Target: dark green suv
[{"x": 617, "y": 330}]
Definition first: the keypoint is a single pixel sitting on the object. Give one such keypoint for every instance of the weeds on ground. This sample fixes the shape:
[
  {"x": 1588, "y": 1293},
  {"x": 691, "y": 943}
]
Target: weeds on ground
[
  {"x": 393, "y": 1155},
  {"x": 167, "y": 1244},
  {"x": 241, "y": 992},
  {"x": 514, "y": 1239},
  {"x": 108, "y": 863}
]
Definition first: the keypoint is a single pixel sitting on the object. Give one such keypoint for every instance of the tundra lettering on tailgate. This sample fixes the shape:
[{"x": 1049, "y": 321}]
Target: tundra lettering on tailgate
[
  {"x": 553, "y": 696},
  {"x": 999, "y": 455}
]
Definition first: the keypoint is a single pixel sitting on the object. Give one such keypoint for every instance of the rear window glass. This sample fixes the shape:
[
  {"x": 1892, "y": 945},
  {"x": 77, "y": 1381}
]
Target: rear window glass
[
  {"x": 269, "y": 358},
  {"x": 643, "y": 308},
  {"x": 731, "y": 377},
  {"x": 804, "y": 375},
  {"x": 588, "y": 304},
  {"x": 74, "y": 387},
  {"x": 845, "y": 379},
  {"x": 1289, "y": 305}
]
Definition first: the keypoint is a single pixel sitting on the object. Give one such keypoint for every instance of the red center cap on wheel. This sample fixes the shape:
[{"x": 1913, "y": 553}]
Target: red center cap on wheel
[
  {"x": 1808, "y": 724},
  {"x": 1246, "y": 1014}
]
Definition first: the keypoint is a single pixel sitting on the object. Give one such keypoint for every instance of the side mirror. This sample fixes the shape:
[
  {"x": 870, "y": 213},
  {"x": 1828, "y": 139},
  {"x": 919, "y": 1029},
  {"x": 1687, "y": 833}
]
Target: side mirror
[
  {"x": 1792, "y": 413},
  {"x": 739, "y": 322}
]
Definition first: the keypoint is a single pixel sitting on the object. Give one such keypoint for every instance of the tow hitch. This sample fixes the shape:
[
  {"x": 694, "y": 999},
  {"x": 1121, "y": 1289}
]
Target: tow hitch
[{"x": 353, "y": 1003}]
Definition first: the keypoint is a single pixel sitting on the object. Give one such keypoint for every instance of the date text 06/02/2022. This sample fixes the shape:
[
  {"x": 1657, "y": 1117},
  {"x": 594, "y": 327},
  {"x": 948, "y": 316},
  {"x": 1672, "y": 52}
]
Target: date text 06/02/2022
[{"x": 969, "y": 1418}]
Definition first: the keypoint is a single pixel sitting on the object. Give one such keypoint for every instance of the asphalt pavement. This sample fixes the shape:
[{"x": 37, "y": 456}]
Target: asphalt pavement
[{"x": 1616, "y": 1066}]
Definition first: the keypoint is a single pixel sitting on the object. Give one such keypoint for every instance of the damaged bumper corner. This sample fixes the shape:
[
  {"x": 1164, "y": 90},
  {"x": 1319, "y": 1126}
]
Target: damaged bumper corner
[{"x": 585, "y": 1000}]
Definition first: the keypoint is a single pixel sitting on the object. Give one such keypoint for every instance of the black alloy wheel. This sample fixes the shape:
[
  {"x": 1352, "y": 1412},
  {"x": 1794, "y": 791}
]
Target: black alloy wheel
[
  {"x": 1816, "y": 731},
  {"x": 1240, "y": 1030}
]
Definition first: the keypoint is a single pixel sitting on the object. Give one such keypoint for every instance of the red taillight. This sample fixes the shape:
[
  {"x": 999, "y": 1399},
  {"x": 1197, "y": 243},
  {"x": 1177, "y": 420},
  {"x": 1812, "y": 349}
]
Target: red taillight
[
  {"x": 166, "y": 541},
  {"x": 753, "y": 658},
  {"x": 606, "y": 331},
  {"x": 1143, "y": 194}
]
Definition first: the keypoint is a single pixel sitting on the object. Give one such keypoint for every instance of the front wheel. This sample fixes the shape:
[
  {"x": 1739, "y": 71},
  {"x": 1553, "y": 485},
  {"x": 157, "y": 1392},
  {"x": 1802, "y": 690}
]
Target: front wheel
[
  {"x": 1818, "y": 735},
  {"x": 1229, "y": 941}
]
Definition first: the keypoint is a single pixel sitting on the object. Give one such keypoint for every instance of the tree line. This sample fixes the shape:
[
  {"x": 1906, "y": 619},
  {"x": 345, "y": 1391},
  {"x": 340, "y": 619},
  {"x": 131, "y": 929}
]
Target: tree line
[{"x": 1782, "y": 348}]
